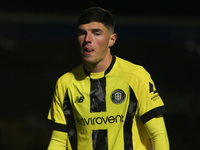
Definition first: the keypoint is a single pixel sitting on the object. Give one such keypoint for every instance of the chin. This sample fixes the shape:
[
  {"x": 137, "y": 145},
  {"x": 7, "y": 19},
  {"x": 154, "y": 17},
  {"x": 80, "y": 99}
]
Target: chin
[{"x": 89, "y": 61}]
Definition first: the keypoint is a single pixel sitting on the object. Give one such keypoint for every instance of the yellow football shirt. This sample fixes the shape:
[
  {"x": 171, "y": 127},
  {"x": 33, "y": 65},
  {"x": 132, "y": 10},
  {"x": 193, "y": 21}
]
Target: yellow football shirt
[{"x": 106, "y": 110}]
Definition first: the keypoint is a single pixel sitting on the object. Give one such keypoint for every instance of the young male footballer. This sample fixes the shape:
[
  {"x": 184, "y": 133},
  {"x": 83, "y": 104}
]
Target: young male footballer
[{"x": 106, "y": 103}]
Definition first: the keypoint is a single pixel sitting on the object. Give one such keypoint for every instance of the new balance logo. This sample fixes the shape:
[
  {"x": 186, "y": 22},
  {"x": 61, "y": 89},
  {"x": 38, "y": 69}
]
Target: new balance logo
[{"x": 80, "y": 100}]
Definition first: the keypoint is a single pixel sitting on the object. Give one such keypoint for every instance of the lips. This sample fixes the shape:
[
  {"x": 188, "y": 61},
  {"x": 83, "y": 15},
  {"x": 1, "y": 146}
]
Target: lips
[{"x": 88, "y": 50}]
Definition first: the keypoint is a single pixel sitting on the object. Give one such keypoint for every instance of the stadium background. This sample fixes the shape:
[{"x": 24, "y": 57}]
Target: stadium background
[{"x": 38, "y": 44}]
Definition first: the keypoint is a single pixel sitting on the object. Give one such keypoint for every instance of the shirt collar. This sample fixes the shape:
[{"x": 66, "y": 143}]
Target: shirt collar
[{"x": 107, "y": 70}]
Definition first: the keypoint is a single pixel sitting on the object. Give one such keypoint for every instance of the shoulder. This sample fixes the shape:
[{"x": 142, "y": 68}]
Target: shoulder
[
  {"x": 130, "y": 69},
  {"x": 71, "y": 76}
]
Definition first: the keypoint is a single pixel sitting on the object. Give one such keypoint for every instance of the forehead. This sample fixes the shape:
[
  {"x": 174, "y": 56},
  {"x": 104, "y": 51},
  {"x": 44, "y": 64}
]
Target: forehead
[{"x": 92, "y": 25}]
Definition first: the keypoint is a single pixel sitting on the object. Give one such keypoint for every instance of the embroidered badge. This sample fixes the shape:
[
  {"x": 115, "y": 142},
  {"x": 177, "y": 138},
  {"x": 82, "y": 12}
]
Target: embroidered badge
[{"x": 118, "y": 96}]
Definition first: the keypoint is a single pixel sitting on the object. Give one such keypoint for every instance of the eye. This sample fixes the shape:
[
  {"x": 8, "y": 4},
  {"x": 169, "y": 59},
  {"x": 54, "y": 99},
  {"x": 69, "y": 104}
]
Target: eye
[
  {"x": 97, "y": 33},
  {"x": 81, "y": 32}
]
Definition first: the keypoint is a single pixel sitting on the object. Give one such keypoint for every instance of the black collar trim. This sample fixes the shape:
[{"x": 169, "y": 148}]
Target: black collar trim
[
  {"x": 86, "y": 72},
  {"x": 107, "y": 70},
  {"x": 111, "y": 65}
]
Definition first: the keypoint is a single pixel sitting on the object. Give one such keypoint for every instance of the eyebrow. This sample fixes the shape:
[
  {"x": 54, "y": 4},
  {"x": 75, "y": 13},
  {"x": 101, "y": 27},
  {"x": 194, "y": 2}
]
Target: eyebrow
[
  {"x": 93, "y": 30},
  {"x": 81, "y": 31},
  {"x": 97, "y": 30}
]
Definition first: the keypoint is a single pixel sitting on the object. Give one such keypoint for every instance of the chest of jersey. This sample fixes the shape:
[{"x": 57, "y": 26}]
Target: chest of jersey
[{"x": 101, "y": 109}]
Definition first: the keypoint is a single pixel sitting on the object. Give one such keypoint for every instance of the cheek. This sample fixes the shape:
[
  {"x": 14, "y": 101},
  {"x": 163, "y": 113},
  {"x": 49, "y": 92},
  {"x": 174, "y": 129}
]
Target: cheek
[
  {"x": 80, "y": 41},
  {"x": 103, "y": 43},
  {"x": 79, "y": 44}
]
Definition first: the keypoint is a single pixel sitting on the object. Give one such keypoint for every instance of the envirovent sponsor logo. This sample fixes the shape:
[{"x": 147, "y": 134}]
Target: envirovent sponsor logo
[{"x": 100, "y": 120}]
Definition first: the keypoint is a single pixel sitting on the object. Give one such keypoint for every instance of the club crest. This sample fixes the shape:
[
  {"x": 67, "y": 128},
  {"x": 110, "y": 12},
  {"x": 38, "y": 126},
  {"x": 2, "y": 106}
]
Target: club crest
[{"x": 118, "y": 96}]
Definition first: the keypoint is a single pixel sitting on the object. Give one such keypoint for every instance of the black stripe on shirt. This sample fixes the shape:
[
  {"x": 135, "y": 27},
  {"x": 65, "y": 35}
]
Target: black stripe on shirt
[
  {"x": 128, "y": 144},
  {"x": 98, "y": 95},
  {"x": 100, "y": 139},
  {"x": 71, "y": 127},
  {"x": 152, "y": 113}
]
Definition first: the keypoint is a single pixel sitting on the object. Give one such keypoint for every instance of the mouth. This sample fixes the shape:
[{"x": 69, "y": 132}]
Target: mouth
[{"x": 88, "y": 50}]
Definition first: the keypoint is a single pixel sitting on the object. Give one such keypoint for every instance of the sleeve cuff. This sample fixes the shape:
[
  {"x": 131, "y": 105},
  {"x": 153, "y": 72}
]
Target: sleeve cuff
[
  {"x": 152, "y": 113},
  {"x": 57, "y": 126}
]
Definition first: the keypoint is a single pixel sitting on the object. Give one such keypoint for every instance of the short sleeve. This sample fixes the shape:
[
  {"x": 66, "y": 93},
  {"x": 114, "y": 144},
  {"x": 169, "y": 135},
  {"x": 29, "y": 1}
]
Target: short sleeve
[
  {"x": 149, "y": 100},
  {"x": 56, "y": 115}
]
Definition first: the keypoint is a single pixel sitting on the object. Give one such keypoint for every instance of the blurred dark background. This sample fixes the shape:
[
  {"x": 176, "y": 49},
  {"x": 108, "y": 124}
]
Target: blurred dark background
[{"x": 38, "y": 44}]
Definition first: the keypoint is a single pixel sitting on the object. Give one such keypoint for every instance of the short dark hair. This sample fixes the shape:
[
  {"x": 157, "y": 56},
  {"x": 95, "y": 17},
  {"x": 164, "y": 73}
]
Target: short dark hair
[{"x": 97, "y": 14}]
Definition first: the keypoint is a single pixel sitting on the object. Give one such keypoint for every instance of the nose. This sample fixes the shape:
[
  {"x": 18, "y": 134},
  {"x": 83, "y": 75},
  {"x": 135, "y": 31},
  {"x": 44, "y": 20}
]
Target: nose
[{"x": 88, "y": 37}]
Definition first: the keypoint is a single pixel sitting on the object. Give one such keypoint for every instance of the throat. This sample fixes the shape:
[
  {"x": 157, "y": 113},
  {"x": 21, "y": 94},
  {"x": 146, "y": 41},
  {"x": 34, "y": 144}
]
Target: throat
[
  {"x": 98, "y": 67},
  {"x": 93, "y": 68}
]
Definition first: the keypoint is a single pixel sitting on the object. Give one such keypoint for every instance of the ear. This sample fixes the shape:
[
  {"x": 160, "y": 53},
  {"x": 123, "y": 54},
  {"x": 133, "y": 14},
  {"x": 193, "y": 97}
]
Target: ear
[{"x": 113, "y": 38}]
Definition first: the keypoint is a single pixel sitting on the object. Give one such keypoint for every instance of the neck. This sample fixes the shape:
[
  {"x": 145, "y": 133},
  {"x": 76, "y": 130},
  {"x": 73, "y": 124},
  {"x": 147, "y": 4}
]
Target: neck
[{"x": 98, "y": 67}]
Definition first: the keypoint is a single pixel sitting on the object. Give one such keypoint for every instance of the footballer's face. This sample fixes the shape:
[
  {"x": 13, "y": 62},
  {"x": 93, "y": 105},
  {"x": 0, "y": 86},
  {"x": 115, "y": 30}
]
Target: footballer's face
[{"x": 95, "y": 41}]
